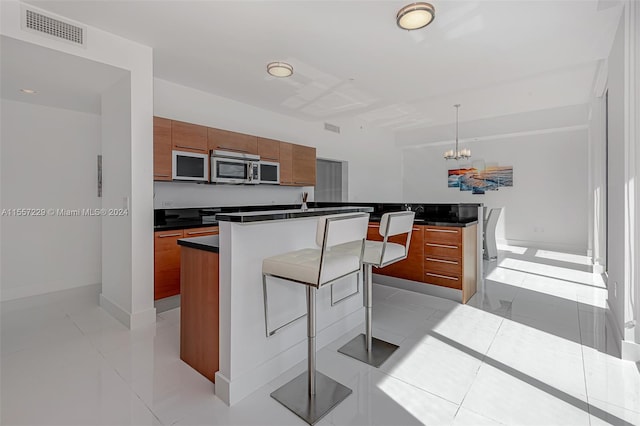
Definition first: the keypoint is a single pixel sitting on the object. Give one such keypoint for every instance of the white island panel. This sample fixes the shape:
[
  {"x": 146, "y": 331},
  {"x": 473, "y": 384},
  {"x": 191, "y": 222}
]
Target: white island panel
[{"x": 248, "y": 358}]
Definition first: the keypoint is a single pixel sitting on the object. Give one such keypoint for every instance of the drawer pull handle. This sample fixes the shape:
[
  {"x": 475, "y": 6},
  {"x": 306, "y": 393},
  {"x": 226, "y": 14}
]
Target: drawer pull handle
[
  {"x": 190, "y": 147},
  {"x": 442, "y": 245},
  {"x": 443, "y": 230},
  {"x": 161, "y": 175},
  {"x": 200, "y": 232},
  {"x": 169, "y": 235},
  {"x": 453, "y": 262},
  {"x": 442, "y": 276}
]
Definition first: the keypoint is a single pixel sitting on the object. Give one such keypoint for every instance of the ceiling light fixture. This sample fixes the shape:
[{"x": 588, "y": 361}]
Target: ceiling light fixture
[
  {"x": 279, "y": 69},
  {"x": 28, "y": 91},
  {"x": 415, "y": 16},
  {"x": 457, "y": 154}
]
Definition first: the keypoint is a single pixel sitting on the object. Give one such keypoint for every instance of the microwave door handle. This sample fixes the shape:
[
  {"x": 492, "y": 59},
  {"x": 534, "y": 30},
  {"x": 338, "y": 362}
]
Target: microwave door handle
[{"x": 249, "y": 172}]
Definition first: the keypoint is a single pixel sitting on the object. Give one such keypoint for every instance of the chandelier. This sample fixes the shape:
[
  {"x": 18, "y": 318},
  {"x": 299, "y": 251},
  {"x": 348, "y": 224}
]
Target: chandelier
[{"x": 458, "y": 153}]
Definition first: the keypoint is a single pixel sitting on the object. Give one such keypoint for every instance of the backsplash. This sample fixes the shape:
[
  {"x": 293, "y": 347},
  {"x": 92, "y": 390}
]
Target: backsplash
[{"x": 168, "y": 195}]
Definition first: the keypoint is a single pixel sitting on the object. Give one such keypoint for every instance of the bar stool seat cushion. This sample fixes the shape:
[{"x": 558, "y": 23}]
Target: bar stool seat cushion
[
  {"x": 373, "y": 252},
  {"x": 303, "y": 265}
]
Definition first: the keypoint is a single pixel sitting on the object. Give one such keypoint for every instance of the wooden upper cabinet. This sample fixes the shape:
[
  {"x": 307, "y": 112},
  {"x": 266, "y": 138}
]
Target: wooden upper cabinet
[
  {"x": 225, "y": 140},
  {"x": 268, "y": 149},
  {"x": 161, "y": 148},
  {"x": 188, "y": 137},
  {"x": 304, "y": 165},
  {"x": 286, "y": 163}
]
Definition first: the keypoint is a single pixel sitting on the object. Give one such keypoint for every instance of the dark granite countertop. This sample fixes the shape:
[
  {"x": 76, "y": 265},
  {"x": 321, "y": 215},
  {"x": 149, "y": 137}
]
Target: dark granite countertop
[
  {"x": 261, "y": 216},
  {"x": 209, "y": 243},
  {"x": 460, "y": 215},
  {"x": 184, "y": 224}
]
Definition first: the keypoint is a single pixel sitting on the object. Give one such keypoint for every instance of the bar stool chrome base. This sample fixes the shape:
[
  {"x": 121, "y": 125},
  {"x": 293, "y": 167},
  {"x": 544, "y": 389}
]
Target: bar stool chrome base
[
  {"x": 379, "y": 353},
  {"x": 295, "y": 396},
  {"x": 365, "y": 347}
]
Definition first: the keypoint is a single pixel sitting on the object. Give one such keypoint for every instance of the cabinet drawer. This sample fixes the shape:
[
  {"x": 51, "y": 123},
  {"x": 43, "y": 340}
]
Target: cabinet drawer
[
  {"x": 443, "y": 234},
  {"x": 201, "y": 232},
  {"x": 447, "y": 266},
  {"x": 443, "y": 279},
  {"x": 442, "y": 250}
]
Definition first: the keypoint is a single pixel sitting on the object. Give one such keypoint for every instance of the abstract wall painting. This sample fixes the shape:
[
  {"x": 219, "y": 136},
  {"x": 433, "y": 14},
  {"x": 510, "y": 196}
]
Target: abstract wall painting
[{"x": 480, "y": 179}]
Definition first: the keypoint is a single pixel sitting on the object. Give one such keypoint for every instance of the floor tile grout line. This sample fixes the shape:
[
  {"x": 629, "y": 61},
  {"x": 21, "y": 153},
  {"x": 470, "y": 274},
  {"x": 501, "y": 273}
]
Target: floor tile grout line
[
  {"x": 584, "y": 368},
  {"x": 480, "y": 366}
]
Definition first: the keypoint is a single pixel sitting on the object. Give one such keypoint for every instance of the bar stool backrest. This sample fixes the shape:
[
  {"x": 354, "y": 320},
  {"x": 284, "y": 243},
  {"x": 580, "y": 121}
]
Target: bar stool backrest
[
  {"x": 396, "y": 223},
  {"x": 341, "y": 229}
]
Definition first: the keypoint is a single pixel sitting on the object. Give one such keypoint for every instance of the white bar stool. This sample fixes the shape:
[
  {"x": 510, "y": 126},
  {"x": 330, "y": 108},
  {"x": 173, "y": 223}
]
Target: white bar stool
[
  {"x": 489, "y": 241},
  {"x": 365, "y": 347},
  {"x": 312, "y": 395}
]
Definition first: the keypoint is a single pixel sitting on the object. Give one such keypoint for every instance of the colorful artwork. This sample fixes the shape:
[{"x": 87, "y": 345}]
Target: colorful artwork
[
  {"x": 456, "y": 174},
  {"x": 478, "y": 181}
]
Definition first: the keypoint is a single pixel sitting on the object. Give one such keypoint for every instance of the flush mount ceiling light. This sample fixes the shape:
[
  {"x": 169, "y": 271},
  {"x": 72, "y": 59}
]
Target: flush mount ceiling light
[
  {"x": 415, "y": 15},
  {"x": 28, "y": 91},
  {"x": 279, "y": 69},
  {"x": 457, "y": 154}
]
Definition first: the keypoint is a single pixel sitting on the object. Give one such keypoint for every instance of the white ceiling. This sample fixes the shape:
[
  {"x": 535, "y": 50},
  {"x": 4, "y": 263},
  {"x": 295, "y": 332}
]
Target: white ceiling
[
  {"x": 61, "y": 80},
  {"x": 351, "y": 60}
]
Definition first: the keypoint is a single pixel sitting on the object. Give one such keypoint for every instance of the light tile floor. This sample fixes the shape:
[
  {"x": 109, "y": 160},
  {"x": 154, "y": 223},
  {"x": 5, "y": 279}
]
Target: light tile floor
[{"x": 533, "y": 347}]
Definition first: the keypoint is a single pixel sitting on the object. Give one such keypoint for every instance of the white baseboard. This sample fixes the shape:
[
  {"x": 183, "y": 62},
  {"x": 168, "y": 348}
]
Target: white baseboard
[
  {"x": 611, "y": 319},
  {"x": 231, "y": 392},
  {"x": 630, "y": 351},
  {"x": 131, "y": 320},
  {"x": 544, "y": 245},
  {"x": 12, "y": 293}
]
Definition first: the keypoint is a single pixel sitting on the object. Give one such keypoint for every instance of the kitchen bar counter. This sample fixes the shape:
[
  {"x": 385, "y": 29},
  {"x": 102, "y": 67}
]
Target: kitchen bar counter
[
  {"x": 261, "y": 216},
  {"x": 458, "y": 215},
  {"x": 209, "y": 243}
]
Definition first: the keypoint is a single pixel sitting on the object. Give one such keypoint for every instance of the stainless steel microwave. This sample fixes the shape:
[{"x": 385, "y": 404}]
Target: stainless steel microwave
[
  {"x": 190, "y": 166},
  {"x": 234, "y": 167},
  {"x": 269, "y": 172}
]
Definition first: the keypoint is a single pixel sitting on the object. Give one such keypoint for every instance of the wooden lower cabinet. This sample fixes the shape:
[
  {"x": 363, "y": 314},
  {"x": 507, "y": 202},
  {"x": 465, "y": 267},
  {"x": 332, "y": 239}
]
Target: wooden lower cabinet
[
  {"x": 166, "y": 264},
  {"x": 166, "y": 259},
  {"x": 409, "y": 268},
  {"x": 199, "y": 310},
  {"x": 438, "y": 255}
]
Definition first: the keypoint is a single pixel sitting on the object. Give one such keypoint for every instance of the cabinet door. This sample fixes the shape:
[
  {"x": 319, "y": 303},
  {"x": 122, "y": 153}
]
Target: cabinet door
[
  {"x": 410, "y": 268},
  {"x": 166, "y": 261},
  {"x": 188, "y": 137},
  {"x": 161, "y": 148},
  {"x": 286, "y": 163},
  {"x": 304, "y": 165},
  {"x": 269, "y": 149},
  {"x": 225, "y": 140},
  {"x": 201, "y": 232}
]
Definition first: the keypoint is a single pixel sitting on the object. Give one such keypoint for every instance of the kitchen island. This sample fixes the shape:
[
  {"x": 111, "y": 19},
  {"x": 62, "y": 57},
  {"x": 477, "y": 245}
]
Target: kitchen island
[{"x": 249, "y": 356}]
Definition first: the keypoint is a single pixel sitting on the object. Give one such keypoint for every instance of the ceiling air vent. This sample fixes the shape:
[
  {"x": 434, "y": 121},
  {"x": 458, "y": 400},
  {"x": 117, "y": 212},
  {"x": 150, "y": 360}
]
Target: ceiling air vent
[
  {"x": 332, "y": 127},
  {"x": 53, "y": 27}
]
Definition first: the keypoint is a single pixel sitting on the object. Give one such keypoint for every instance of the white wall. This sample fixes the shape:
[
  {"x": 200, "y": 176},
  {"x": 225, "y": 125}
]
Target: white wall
[
  {"x": 547, "y": 205},
  {"x": 48, "y": 162},
  {"x": 118, "y": 52},
  {"x": 116, "y": 186},
  {"x": 189, "y": 194},
  {"x": 374, "y": 160}
]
